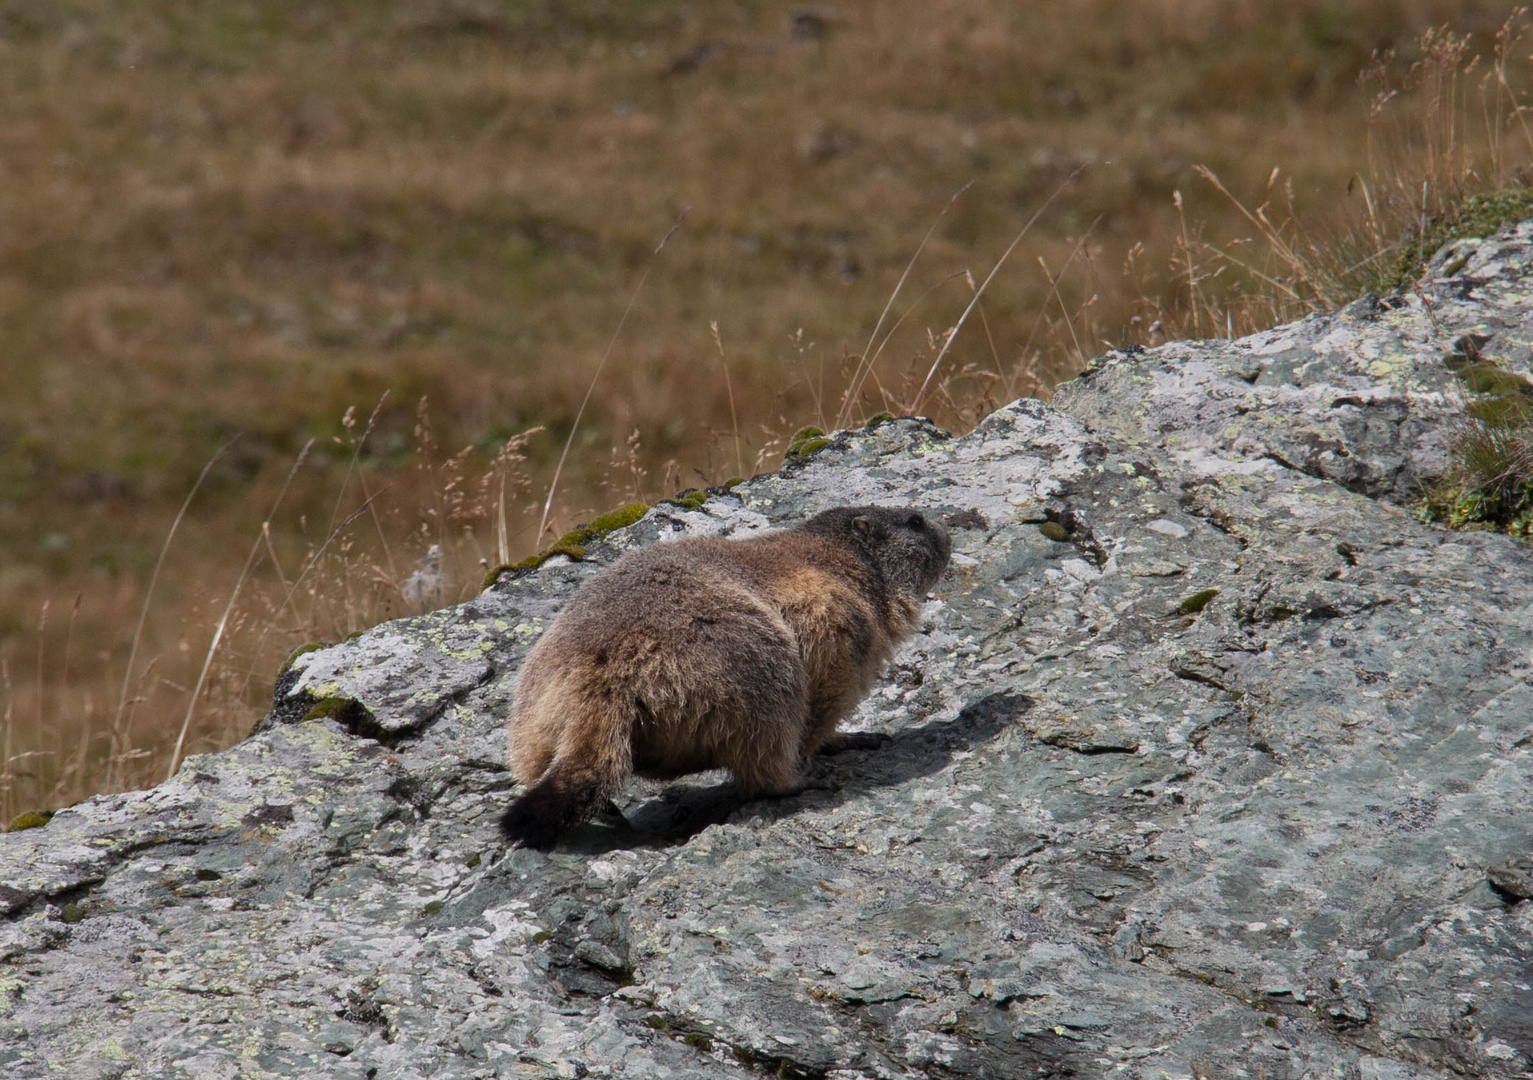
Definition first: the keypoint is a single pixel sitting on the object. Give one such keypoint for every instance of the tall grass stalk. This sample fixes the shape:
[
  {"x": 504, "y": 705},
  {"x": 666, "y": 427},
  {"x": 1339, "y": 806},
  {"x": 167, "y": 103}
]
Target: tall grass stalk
[
  {"x": 869, "y": 356},
  {"x": 256, "y": 549},
  {"x": 122, "y": 718},
  {"x": 947, "y": 343},
  {"x": 734, "y": 419},
  {"x": 553, "y": 484}
]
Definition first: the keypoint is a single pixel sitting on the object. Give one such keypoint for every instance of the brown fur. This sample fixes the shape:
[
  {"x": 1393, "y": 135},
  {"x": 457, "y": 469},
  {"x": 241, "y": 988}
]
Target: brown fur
[{"x": 707, "y": 653}]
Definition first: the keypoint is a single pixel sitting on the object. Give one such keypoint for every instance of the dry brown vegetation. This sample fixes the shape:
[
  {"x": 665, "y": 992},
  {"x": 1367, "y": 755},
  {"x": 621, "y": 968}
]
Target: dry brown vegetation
[{"x": 255, "y": 222}]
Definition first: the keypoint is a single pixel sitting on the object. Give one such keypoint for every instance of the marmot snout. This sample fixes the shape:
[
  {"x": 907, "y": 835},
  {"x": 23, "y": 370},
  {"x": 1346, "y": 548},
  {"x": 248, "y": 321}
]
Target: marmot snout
[{"x": 708, "y": 653}]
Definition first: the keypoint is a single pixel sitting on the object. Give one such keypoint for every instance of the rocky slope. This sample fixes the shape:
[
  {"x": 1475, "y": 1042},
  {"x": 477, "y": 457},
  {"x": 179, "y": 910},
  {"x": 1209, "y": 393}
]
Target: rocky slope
[{"x": 1209, "y": 762}]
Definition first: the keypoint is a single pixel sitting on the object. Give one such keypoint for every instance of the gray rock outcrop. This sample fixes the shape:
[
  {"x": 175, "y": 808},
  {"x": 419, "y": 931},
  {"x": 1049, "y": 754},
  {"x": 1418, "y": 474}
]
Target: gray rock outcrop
[{"x": 1210, "y": 761}]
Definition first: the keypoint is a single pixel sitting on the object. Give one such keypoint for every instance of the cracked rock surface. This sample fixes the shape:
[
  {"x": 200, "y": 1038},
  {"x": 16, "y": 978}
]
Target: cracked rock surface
[{"x": 1209, "y": 761}]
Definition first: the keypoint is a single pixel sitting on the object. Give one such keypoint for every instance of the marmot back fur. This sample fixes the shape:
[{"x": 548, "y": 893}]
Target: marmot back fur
[{"x": 710, "y": 653}]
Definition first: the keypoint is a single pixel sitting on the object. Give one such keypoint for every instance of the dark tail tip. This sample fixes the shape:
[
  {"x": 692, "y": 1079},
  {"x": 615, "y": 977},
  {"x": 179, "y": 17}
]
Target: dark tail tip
[{"x": 549, "y": 807}]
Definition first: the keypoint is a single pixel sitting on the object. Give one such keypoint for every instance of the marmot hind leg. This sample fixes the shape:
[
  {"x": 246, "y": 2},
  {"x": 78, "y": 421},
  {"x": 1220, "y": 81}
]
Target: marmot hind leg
[{"x": 765, "y": 755}]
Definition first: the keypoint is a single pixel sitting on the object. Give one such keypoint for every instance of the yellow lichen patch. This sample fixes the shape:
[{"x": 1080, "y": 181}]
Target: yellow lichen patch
[{"x": 1387, "y": 368}]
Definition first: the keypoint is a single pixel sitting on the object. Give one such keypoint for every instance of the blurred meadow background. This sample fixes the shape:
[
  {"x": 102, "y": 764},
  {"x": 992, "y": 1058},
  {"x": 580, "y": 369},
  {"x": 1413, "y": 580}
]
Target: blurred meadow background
[{"x": 292, "y": 292}]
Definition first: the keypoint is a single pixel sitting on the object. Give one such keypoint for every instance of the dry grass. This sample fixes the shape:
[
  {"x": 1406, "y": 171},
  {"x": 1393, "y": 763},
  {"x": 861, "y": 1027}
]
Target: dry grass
[{"x": 256, "y": 220}]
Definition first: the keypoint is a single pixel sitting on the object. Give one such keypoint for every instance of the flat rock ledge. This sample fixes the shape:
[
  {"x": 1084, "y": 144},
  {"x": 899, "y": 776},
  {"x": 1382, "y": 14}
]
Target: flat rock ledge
[{"x": 1210, "y": 761}]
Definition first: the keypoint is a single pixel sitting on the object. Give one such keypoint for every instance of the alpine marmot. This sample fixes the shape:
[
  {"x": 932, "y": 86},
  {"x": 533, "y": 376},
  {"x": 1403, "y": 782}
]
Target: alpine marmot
[{"x": 708, "y": 653}]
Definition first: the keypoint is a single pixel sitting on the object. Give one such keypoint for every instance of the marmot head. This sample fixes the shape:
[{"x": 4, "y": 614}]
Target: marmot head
[{"x": 910, "y": 550}]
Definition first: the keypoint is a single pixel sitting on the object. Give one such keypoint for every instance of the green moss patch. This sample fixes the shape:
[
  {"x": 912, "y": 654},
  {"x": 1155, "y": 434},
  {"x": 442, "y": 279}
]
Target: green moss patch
[
  {"x": 620, "y": 518},
  {"x": 1486, "y": 378},
  {"x": 573, "y": 543},
  {"x": 332, "y": 708},
  {"x": 805, "y": 441},
  {"x": 1053, "y": 530},
  {"x": 32, "y": 819},
  {"x": 313, "y": 646},
  {"x": 1197, "y": 601},
  {"x": 878, "y": 420}
]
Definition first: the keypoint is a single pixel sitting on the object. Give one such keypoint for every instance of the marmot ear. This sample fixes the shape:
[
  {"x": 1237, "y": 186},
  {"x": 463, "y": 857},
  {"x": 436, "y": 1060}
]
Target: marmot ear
[{"x": 863, "y": 524}]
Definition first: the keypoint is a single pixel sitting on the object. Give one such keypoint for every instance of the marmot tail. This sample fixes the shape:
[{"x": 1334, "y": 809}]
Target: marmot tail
[{"x": 590, "y": 760}]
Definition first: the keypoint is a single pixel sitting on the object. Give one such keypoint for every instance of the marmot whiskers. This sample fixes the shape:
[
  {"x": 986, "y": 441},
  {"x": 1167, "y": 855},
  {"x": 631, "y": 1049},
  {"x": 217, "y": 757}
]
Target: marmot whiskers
[{"x": 709, "y": 653}]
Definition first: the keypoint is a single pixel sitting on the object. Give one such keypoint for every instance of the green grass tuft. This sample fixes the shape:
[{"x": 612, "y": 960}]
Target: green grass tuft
[
  {"x": 1490, "y": 484},
  {"x": 1470, "y": 217}
]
